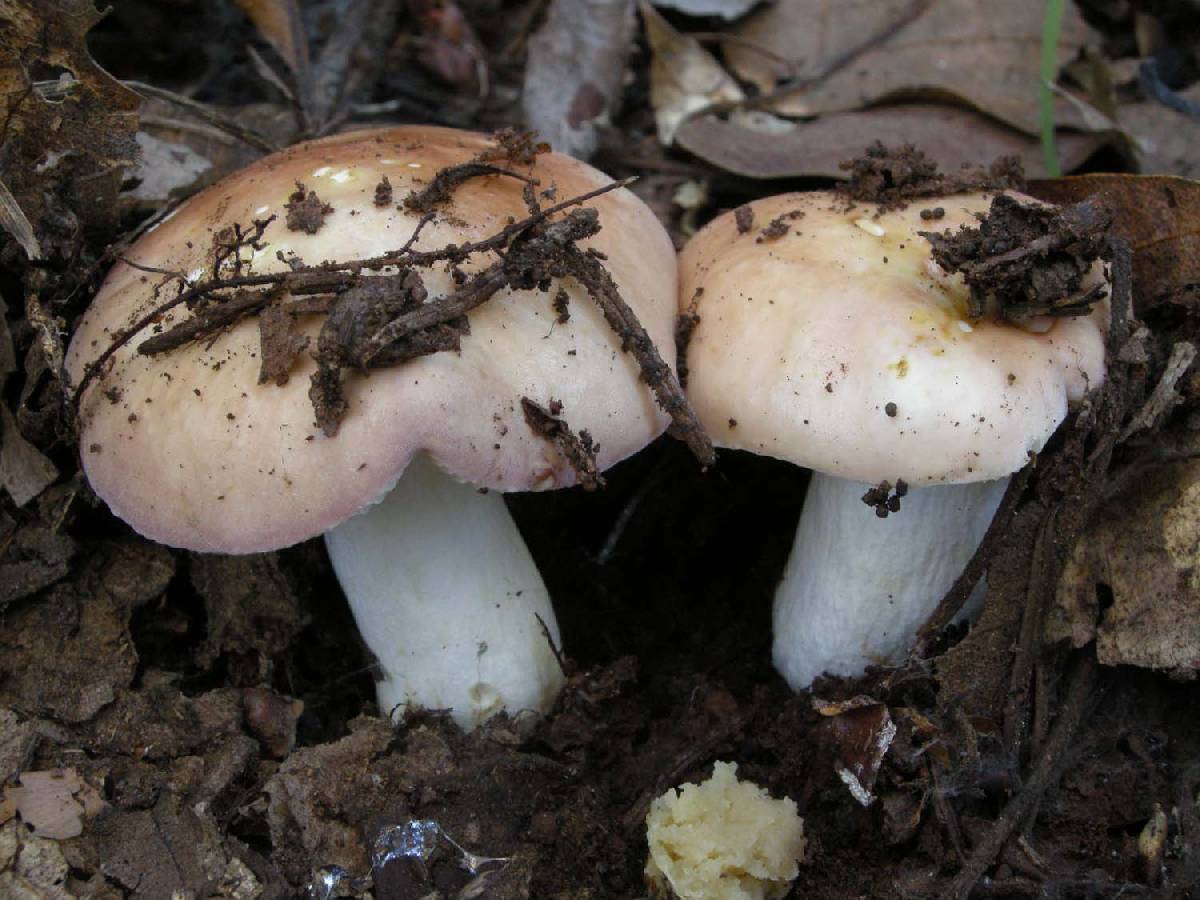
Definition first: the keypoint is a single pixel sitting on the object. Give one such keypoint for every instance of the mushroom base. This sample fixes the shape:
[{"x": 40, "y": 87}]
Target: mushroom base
[
  {"x": 857, "y": 588},
  {"x": 447, "y": 597}
]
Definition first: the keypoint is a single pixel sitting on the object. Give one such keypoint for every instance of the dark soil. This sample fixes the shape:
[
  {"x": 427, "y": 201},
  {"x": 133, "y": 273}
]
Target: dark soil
[{"x": 218, "y": 713}]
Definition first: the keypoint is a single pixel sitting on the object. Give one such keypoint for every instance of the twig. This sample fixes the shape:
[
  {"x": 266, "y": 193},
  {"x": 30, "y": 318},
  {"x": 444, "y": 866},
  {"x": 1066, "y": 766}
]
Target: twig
[
  {"x": 295, "y": 280},
  {"x": 635, "y": 816},
  {"x": 802, "y": 83},
  {"x": 655, "y": 372},
  {"x": 1164, "y": 398},
  {"x": 577, "y": 449},
  {"x": 1040, "y": 778},
  {"x": 580, "y": 223},
  {"x": 207, "y": 113},
  {"x": 554, "y": 648},
  {"x": 1016, "y": 714},
  {"x": 623, "y": 519},
  {"x": 441, "y": 188},
  {"x": 954, "y": 598}
]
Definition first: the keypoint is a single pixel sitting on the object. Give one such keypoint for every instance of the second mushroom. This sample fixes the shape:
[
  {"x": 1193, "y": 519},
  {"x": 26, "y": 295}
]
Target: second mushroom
[{"x": 827, "y": 335}]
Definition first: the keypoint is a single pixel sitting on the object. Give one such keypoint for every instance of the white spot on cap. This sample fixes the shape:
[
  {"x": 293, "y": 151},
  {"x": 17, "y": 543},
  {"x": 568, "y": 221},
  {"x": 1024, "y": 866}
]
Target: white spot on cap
[
  {"x": 322, "y": 172},
  {"x": 414, "y": 165},
  {"x": 262, "y": 209},
  {"x": 871, "y": 227},
  {"x": 965, "y": 327},
  {"x": 342, "y": 176}
]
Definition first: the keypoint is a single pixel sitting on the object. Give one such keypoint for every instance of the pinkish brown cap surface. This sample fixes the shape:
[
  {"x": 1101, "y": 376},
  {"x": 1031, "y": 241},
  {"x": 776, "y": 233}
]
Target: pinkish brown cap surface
[
  {"x": 189, "y": 449},
  {"x": 835, "y": 342}
]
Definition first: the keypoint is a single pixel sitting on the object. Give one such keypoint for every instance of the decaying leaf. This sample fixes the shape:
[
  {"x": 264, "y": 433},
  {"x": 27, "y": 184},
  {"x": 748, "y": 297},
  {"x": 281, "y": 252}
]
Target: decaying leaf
[
  {"x": 69, "y": 654},
  {"x": 574, "y": 70},
  {"x": 279, "y": 22},
  {"x": 951, "y": 136},
  {"x": 1158, "y": 215},
  {"x": 24, "y": 471},
  {"x": 182, "y": 153},
  {"x": 69, "y": 125},
  {"x": 1144, "y": 548},
  {"x": 31, "y": 867},
  {"x": 164, "y": 168},
  {"x": 349, "y": 60},
  {"x": 1167, "y": 141},
  {"x": 684, "y": 77},
  {"x": 725, "y": 9},
  {"x": 249, "y": 604},
  {"x": 53, "y": 803},
  {"x": 859, "y": 732},
  {"x": 982, "y": 53}
]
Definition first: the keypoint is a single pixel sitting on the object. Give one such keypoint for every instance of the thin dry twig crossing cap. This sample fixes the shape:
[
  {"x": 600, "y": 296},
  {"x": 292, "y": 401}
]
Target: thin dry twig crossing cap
[{"x": 189, "y": 449}]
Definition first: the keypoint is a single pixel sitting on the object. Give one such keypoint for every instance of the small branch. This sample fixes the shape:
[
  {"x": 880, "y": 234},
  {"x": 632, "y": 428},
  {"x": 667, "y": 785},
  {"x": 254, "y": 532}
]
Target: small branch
[
  {"x": 207, "y": 113},
  {"x": 802, "y": 83},
  {"x": 655, "y": 372},
  {"x": 554, "y": 648},
  {"x": 577, "y": 449},
  {"x": 579, "y": 224},
  {"x": 1040, "y": 779},
  {"x": 954, "y": 598},
  {"x": 294, "y": 281},
  {"x": 442, "y": 187},
  {"x": 1164, "y": 398}
]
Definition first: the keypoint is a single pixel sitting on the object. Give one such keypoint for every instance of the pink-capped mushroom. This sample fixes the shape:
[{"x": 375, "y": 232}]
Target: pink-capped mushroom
[
  {"x": 829, "y": 337},
  {"x": 189, "y": 449}
]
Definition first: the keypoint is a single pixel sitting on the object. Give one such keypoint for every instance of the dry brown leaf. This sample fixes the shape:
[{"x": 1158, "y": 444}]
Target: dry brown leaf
[
  {"x": 182, "y": 153},
  {"x": 279, "y": 22},
  {"x": 69, "y": 125},
  {"x": 951, "y": 136},
  {"x": 986, "y": 54},
  {"x": 1168, "y": 142},
  {"x": 1158, "y": 214},
  {"x": 574, "y": 70},
  {"x": 24, "y": 471},
  {"x": 164, "y": 169},
  {"x": 1145, "y": 547},
  {"x": 684, "y": 77}
]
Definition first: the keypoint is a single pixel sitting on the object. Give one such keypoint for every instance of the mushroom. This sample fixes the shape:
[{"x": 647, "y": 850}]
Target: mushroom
[
  {"x": 829, "y": 337},
  {"x": 192, "y": 451}
]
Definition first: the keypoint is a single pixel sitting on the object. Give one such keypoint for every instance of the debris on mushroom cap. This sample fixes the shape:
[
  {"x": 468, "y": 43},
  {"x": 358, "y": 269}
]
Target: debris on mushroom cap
[
  {"x": 723, "y": 839},
  {"x": 215, "y": 461},
  {"x": 809, "y": 340}
]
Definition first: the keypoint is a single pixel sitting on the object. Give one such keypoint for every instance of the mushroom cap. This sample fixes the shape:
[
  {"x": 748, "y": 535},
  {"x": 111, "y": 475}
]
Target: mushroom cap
[
  {"x": 806, "y": 339},
  {"x": 190, "y": 450}
]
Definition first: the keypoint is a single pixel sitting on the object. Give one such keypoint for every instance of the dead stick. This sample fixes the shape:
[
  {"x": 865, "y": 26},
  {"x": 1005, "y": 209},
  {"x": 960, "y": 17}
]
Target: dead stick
[
  {"x": 656, "y": 373},
  {"x": 954, "y": 598},
  {"x": 985, "y": 853},
  {"x": 577, "y": 225},
  {"x": 294, "y": 280}
]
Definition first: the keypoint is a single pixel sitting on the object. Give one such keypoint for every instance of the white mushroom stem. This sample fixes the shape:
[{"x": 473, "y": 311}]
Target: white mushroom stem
[
  {"x": 857, "y": 587},
  {"x": 447, "y": 596}
]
